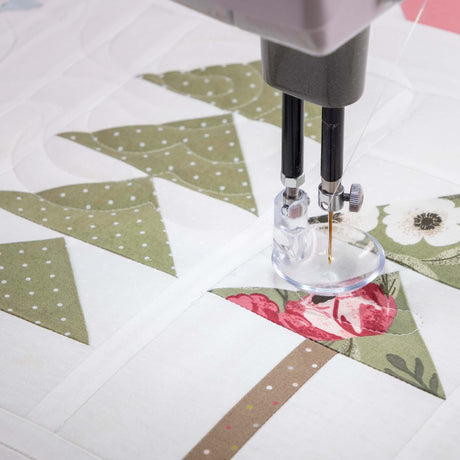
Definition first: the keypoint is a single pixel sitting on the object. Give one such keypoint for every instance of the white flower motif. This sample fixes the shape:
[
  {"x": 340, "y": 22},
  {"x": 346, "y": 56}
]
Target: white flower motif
[
  {"x": 366, "y": 219},
  {"x": 436, "y": 221}
]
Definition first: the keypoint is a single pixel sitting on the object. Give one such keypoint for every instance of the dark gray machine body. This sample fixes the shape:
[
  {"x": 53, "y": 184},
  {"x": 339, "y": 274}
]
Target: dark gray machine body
[
  {"x": 334, "y": 80},
  {"x": 312, "y": 49}
]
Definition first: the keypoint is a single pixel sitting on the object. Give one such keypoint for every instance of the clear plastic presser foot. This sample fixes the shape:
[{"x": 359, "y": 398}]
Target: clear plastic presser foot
[{"x": 300, "y": 251}]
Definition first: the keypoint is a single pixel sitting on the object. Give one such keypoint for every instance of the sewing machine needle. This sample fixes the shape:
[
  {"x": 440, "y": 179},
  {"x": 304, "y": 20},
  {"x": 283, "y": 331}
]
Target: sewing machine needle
[{"x": 329, "y": 249}]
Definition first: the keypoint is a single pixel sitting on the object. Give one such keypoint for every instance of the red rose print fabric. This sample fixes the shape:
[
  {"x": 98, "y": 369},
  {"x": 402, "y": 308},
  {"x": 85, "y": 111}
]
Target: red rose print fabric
[
  {"x": 364, "y": 312},
  {"x": 372, "y": 325}
]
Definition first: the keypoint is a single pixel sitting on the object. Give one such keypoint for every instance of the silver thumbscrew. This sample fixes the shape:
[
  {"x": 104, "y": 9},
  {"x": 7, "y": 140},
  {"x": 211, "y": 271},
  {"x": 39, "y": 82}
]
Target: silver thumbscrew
[{"x": 355, "y": 197}]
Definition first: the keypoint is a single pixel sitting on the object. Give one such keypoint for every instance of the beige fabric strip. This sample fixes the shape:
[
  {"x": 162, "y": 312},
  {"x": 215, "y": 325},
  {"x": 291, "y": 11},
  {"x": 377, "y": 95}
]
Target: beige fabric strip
[{"x": 260, "y": 403}]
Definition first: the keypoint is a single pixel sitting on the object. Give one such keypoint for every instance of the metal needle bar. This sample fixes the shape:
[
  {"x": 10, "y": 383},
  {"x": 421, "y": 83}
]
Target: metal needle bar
[
  {"x": 332, "y": 147},
  {"x": 331, "y": 158},
  {"x": 292, "y": 137}
]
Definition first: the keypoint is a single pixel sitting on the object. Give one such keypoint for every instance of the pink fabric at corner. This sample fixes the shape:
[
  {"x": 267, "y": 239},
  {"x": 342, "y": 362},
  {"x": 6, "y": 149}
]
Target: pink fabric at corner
[{"x": 443, "y": 14}]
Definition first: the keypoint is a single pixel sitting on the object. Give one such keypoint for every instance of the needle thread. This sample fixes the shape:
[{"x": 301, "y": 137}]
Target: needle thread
[
  {"x": 329, "y": 249},
  {"x": 395, "y": 63}
]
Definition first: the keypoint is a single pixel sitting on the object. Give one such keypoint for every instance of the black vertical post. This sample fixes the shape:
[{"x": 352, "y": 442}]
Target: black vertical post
[
  {"x": 332, "y": 143},
  {"x": 292, "y": 137}
]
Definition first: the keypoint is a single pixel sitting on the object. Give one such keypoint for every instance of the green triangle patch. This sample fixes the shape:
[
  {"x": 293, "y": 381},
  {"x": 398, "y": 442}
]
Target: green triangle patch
[
  {"x": 372, "y": 325},
  {"x": 201, "y": 154},
  {"x": 238, "y": 88},
  {"x": 121, "y": 217},
  {"x": 37, "y": 284}
]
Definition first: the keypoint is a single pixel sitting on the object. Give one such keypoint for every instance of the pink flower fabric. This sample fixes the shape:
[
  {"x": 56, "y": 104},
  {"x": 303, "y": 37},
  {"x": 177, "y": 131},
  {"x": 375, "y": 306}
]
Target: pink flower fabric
[
  {"x": 298, "y": 323},
  {"x": 364, "y": 312},
  {"x": 258, "y": 303}
]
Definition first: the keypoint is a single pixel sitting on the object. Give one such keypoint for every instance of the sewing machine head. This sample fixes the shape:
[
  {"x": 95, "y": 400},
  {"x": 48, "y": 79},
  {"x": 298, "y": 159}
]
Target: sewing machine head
[
  {"x": 312, "y": 49},
  {"x": 315, "y": 51}
]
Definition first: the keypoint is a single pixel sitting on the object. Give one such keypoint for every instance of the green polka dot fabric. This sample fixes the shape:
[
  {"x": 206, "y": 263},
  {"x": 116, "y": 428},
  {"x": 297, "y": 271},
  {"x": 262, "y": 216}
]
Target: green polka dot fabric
[
  {"x": 37, "y": 284},
  {"x": 122, "y": 217},
  {"x": 373, "y": 325},
  {"x": 239, "y": 88},
  {"x": 201, "y": 154}
]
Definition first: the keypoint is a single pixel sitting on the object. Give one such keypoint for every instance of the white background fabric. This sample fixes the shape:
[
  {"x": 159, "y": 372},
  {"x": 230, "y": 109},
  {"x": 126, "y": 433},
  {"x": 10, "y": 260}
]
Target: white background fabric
[{"x": 166, "y": 360}]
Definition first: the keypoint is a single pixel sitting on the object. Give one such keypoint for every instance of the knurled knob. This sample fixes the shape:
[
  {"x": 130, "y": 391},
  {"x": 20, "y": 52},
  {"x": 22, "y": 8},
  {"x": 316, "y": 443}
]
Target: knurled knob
[{"x": 355, "y": 197}]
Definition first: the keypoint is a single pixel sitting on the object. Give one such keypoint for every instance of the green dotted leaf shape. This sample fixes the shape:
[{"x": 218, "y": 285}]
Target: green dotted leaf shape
[
  {"x": 201, "y": 154},
  {"x": 121, "y": 217},
  {"x": 37, "y": 284},
  {"x": 239, "y": 88},
  {"x": 402, "y": 338}
]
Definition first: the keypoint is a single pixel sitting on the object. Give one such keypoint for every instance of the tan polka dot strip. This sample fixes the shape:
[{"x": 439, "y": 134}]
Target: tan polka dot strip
[{"x": 264, "y": 400}]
